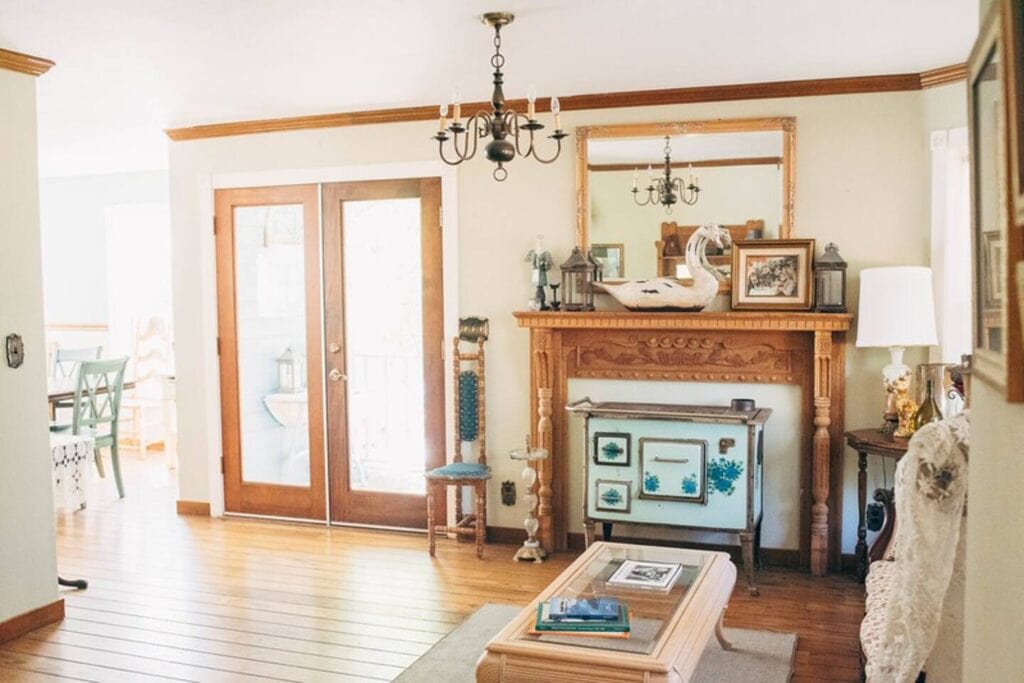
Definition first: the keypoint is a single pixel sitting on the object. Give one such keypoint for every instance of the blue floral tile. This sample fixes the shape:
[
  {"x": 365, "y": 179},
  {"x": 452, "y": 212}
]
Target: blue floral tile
[
  {"x": 690, "y": 485},
  {"x": 722, "y": 475},
  {"x": 651, "y": 482}
]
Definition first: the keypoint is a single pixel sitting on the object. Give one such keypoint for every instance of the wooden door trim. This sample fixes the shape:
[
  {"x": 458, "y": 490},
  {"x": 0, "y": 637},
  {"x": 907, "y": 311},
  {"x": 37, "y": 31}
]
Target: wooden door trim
[
  {"x": 348, "y": 506},
  {"x": 264, "y": 498}
]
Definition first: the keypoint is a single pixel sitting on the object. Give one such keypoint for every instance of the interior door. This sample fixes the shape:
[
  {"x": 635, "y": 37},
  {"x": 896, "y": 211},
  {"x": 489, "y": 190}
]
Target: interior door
[
  {"x": 271, "y": 377},
  {"x": 384, "y": 339}
]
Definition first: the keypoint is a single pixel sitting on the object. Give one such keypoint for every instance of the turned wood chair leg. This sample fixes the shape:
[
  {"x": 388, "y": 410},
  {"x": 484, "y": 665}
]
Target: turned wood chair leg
[
  {"x": 430, "y": 519},
  {"x": 480, "y": 510}
]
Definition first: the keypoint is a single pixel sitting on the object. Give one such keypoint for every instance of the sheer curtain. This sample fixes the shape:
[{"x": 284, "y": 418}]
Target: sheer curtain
[{"x": 951, "y": 243}]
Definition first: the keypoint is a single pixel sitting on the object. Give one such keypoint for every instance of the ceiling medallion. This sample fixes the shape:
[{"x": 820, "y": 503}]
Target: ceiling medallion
[{"x": 500, "y": 123}]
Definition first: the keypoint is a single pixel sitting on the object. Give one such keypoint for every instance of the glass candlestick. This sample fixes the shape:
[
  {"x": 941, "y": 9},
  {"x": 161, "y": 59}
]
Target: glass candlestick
[{"x": 531, "y": 549}]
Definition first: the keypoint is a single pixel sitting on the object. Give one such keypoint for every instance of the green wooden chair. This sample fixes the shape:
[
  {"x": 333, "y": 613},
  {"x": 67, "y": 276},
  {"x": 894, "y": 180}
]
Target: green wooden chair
[
  {"x": 65, "y": 367},
  {"x": 97, "y": 406}
]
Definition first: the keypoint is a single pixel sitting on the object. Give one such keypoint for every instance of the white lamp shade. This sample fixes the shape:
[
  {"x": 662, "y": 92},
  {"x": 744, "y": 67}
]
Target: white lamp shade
[{"x": 896, "y": 307}]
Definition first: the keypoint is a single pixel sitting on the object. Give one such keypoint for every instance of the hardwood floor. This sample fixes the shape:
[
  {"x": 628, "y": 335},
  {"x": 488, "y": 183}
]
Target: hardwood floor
[{"x": 192, "y": 598}]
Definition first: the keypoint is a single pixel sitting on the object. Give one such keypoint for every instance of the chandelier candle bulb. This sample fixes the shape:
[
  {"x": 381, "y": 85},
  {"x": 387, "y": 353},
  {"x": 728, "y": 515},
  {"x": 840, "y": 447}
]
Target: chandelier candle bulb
[
  {"x": 531, "y": 103},
  {"x": 556, "y": 109},
  {"x": 443, "y": 120}
]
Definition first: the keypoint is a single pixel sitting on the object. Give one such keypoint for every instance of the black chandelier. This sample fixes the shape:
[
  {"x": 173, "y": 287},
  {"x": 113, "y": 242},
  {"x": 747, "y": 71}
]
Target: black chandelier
[
  {"x": 500, "y": 123},
  {"x": 668, "y": 190}
]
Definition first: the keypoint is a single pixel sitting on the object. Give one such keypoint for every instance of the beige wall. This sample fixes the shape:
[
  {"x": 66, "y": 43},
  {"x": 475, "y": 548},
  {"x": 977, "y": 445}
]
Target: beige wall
[
  {"x": 995, "y": 553},
  {"x": 862, "y": 181},
  {"x": 28, "y": 565}
]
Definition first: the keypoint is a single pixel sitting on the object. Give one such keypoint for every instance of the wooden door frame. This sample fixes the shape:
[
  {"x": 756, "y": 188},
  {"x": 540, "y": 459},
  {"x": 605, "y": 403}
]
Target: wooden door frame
[
  {"x": 264, "y": 498},
  {"x": 347, "y": 506}
]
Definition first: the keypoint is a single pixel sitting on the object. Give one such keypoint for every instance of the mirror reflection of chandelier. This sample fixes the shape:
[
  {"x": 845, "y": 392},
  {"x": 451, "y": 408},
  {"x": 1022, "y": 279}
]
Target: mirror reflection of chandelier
[
  {"x": 500, "y": 123},
  {"x": 668, "y": 190}
]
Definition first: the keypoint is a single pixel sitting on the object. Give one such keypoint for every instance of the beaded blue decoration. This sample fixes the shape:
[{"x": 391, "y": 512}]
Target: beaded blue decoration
[{"x": 469, "y": 390}]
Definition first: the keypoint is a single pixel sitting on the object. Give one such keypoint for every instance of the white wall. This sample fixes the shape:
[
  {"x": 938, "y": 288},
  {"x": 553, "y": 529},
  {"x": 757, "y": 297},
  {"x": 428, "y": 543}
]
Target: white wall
[
  {"x": 861, "y": 181},
  {"x": 73, "y": 218},
  {"x": 994, "y": 611},
  {"x": 28, "y": 568}
]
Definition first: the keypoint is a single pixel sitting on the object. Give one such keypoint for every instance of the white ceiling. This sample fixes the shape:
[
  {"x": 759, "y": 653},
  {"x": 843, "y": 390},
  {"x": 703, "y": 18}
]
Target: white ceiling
[
  {"x": 693, "y": 147},
  {"x": 126, "y": 69}
]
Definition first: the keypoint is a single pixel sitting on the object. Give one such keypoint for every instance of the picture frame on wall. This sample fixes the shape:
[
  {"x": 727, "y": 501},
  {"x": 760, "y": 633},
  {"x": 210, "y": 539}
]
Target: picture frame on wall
[
  {"x": 773, "y": 275},
  {"x": 1012, "y": 19},
  {"x": 612, "y": 495},
  {"x": 992, "y": 91},
  {"x": 612, "y": 258},
  {"x": 612, "y": 448}
]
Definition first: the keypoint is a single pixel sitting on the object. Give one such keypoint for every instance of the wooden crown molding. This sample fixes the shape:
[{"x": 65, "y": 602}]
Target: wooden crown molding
[
  {"x": 943, "y": 75},
  {"x": 22, "y": 63},
  {"x": 635, "y": 98}
]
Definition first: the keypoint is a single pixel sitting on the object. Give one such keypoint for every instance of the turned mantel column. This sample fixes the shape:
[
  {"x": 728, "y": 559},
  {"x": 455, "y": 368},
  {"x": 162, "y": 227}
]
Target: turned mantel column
[
  {"x": 822, "y": 451},
  {"x": 541, "y": 391}
]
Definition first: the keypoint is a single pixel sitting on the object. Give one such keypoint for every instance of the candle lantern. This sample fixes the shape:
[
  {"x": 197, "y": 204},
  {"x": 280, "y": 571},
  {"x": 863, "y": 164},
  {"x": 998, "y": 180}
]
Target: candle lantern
[
  {"x": 830, "y": 281},
  {"x": 578, "y": 276},
  {"x": 291, "y": 372}
]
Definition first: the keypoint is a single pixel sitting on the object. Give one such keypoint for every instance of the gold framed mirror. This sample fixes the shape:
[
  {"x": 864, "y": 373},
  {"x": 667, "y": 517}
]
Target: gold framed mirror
[{"x": 743, "y": 169}]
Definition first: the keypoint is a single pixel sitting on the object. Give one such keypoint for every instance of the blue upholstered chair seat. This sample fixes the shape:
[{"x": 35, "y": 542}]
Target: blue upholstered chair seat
[{"x": 460, "y": 470}]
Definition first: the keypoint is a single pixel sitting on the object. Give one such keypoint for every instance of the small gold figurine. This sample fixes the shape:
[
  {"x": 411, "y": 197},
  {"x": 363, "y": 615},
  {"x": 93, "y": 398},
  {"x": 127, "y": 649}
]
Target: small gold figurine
[{"x": 906, "y": 407}]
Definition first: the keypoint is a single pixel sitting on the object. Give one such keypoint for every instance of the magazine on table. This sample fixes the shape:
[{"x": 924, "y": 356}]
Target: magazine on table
[
  {"x": 657, "y": 576},
  {"x": 584, "y": 609}
]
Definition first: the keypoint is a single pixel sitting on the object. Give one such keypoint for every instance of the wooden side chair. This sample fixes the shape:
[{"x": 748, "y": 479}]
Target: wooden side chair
[
  {"x": 97, "y": 407},
  {"x": 470, "y": 429}
]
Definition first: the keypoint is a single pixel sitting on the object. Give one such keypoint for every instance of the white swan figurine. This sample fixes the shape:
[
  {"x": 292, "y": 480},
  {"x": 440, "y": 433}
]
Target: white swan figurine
[{"x": 668, "y": 294}]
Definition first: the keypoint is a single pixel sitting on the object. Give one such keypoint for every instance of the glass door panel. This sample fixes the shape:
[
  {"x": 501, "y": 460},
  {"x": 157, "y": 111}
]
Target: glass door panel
[
  {"x": 268, "y": 280},
  {"x": 271, "y": 324},
  {"x": 383, "y": 326},
  {"x": 384, "y": 345}
]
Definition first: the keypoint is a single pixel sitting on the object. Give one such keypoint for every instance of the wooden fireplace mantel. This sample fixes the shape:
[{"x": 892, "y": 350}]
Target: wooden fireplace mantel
[{"x": 805, "y": 349}]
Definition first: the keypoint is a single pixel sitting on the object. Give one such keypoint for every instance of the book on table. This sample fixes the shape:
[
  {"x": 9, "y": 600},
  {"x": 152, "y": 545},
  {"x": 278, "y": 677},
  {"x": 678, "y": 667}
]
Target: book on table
[{"x": 588, "y": 623}]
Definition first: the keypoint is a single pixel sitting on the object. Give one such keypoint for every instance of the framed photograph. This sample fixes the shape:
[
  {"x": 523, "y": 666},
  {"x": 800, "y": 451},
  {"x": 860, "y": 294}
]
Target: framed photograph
[
  {"x": 652, "y": 575},
  {"x": 773, "y": 275},
  {"x": 612, "y": 495},
  {"x": 995, "y": 175},
  {"x": 612, "y": 258},
  {"x": 612, "y": 448}
]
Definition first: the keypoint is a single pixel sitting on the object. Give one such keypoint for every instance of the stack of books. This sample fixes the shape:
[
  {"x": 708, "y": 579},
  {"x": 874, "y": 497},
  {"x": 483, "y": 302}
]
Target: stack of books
[{"x": 604, "y": 617}]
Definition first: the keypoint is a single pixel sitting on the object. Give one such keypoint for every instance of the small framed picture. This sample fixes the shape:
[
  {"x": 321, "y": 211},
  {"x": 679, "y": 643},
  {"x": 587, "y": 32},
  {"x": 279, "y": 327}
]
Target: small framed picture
[
  {"x": 612, "y": 448},
  {"x": 612, "y": 258},
  {"x": 612, "y": 495},
  {"x": 651, "y": 575},
  {"x": 772, "y": 275}
]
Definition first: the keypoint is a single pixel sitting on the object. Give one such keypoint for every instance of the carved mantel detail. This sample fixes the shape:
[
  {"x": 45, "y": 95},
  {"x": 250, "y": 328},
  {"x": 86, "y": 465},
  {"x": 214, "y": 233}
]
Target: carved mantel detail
[{"x": 804, "y": 349}]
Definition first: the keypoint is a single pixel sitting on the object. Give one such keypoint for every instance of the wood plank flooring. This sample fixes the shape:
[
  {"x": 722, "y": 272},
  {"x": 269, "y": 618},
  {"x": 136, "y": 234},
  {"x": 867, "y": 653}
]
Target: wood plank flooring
[{"x": 199, "y": 599}]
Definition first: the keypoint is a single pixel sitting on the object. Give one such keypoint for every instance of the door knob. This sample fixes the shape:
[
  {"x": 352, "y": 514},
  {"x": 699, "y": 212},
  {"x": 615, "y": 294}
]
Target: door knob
[{"x": 335, "y": 374}]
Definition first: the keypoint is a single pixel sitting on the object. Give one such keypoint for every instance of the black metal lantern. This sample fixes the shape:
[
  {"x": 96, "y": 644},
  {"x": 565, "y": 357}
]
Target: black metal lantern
[
  {"x": 830, "y": 281},
  {"x": 578, "y": 276}
]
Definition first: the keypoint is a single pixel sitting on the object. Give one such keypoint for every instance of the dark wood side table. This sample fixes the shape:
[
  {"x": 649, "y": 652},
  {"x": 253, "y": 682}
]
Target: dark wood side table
[{"x": 869, "y": 442}]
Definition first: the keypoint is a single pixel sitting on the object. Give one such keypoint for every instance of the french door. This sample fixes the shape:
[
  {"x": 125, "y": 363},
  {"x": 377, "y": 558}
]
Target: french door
[
  {"x": 268, "y": 290},
  {"x": 384, "y": 339},
  {"x": 330, "y": 305}
]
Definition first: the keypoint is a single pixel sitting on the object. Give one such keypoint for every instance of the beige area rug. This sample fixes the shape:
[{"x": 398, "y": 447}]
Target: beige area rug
[{"x": 760, "y": 656}]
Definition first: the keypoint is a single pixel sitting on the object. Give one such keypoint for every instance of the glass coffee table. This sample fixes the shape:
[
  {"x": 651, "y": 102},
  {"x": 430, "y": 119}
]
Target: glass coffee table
[{"x": 668, "y": 630}]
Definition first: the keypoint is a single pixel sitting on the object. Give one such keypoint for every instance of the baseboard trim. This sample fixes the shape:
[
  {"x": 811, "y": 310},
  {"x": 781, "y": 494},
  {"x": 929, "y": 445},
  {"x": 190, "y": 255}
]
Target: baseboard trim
[
  {"x": 30, "y": 621},
  {"x": 775, "y": 557},
  {"x": 193, "y": 507}
]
